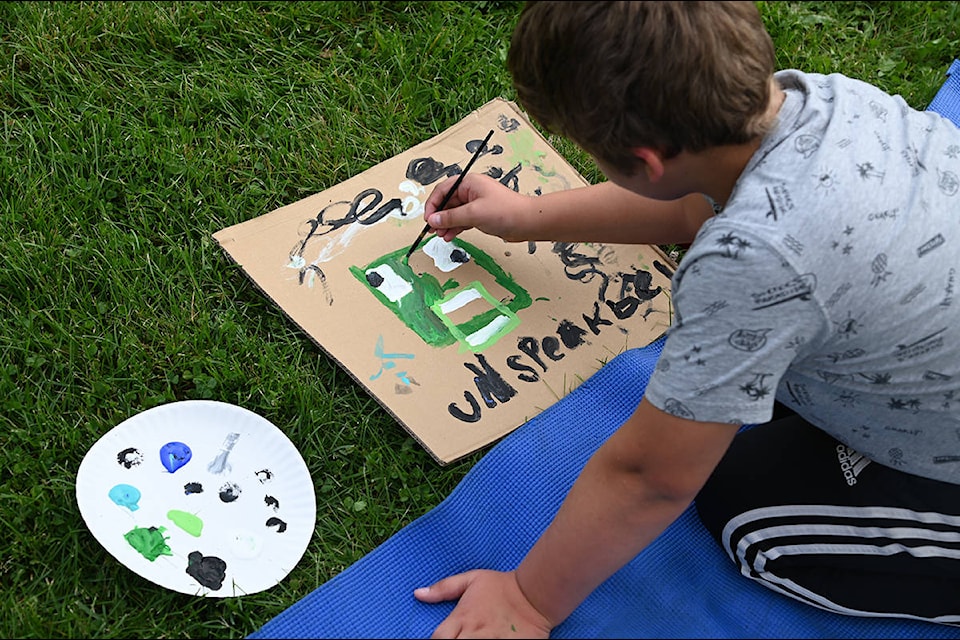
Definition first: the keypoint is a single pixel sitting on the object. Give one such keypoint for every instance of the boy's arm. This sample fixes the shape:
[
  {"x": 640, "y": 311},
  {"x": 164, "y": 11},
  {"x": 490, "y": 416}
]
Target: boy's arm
[
  {"x": 634, "y": 487},
  {"x": 603, "y": 212}
]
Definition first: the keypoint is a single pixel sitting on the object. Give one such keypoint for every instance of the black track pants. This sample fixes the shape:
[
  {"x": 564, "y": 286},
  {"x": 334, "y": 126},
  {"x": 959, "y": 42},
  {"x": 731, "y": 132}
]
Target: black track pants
[{"x": 813, "y": 519}]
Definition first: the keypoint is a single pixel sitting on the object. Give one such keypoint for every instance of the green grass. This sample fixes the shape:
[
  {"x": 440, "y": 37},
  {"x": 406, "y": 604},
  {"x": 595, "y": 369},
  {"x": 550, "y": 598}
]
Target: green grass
[{"x": 131, "y": 133}]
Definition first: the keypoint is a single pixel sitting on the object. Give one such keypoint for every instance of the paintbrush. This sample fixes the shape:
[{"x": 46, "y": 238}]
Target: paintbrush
[{"x": 453, "y": 190}]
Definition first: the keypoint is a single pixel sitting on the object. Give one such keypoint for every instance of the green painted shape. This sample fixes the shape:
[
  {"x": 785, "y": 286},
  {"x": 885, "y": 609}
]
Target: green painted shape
[
  {"x": 415, "y": 309},
  {"x": 149, "y": 542},
  {"x": 186, "y": 521},
  {"x": 522, "y": 145},
  {"x": 476, "y": 323}
]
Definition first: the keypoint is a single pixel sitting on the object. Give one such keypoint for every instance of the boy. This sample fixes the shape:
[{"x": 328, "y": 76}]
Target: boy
[{"x": 820, "y": 275}]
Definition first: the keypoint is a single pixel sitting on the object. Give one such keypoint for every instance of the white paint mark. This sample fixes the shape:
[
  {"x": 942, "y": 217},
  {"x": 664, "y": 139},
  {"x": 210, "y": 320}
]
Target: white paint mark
[
  {"x": 393, "y": 286},
  {"x": 459, "y": 300},
  {"x": 482, "y": 335},
  {"x": 443, "y": 253}
]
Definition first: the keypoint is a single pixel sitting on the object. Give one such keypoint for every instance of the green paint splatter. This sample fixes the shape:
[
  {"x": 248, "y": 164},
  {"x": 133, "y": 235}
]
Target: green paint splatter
[
  {"x": 186, "y": 521},
  {"x": 150, "y": 542},
  {"x": 497, "y": 312}
]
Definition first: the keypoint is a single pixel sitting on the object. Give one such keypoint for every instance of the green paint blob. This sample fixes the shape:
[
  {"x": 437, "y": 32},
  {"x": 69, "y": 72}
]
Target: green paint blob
[
  {"x": 150, "y": 542},
  {"x": 186, "y": 521}
]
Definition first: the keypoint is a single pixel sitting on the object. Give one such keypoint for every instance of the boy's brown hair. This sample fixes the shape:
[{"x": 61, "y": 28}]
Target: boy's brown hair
[{"x": 611, "y": 76}]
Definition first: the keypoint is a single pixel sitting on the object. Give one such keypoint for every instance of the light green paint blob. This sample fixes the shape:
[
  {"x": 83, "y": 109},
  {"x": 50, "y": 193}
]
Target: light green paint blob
[
  {"x": 522, "y": 144},
  {"x": 186, "y": 521},
  {"x": 150, "y": 542}
]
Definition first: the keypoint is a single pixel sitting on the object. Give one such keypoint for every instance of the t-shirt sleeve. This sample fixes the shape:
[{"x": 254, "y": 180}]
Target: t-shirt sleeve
[{"x": 742, "y": 315}]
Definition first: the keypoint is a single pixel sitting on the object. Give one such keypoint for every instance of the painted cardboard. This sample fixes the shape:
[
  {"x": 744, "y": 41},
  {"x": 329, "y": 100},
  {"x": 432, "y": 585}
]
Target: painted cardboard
[{"x": 469, "y": 339}]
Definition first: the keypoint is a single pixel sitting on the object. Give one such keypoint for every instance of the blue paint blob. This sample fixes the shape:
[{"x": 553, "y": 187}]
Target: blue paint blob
[
  {"x": 125, "y": 496},
  {"x": 174, "y": 455}
]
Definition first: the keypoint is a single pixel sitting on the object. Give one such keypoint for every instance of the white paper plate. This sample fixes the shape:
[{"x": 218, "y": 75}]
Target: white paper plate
[{"x": 231, "y": 520}]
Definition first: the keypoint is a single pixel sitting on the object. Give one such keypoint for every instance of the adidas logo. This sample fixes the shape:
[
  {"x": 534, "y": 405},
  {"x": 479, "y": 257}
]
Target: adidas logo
[{"x": 851, "y": 463}]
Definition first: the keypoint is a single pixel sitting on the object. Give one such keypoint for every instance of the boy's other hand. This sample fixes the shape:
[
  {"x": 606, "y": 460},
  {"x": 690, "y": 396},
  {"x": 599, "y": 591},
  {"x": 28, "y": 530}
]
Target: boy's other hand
[
  {"x": 491, "y": 606},
  {"x": 480, "y": 202}
]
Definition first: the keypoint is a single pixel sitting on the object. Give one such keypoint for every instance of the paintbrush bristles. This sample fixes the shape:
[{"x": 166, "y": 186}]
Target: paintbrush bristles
[{"x": 453, "y": 189}]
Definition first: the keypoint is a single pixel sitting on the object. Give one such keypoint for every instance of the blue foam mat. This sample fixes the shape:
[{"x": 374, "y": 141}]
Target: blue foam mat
[{"x": 681, "y": 586}]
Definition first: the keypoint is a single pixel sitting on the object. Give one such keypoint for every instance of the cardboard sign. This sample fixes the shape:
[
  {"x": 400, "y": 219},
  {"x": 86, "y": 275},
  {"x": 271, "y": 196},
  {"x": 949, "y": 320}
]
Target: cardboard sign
[{"x": 466, "y": 340}]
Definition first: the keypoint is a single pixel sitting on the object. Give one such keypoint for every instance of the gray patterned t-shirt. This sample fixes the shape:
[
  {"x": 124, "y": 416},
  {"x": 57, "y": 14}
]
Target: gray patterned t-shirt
[{"x": 828, "y": 281}]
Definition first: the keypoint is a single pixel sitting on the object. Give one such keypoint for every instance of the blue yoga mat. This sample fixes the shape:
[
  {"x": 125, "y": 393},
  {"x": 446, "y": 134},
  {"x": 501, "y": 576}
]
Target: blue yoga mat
[{"x": 681, "y": 586}]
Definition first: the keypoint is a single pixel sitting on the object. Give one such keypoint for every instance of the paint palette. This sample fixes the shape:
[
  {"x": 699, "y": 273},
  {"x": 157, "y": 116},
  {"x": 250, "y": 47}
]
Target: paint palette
[{"x": 202, "y": 497}]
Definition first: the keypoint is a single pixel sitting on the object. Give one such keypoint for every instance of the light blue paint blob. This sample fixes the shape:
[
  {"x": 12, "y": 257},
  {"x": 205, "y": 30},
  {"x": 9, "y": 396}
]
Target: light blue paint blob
[
  {"x": 125, "y": 496},
  {"x": 174, "y": 455}
]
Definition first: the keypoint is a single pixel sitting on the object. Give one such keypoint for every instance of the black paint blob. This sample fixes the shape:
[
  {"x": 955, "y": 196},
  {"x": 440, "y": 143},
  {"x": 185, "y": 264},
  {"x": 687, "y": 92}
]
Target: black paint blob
[
  {"x": 374, "y": 278},
  {"x": 278, "y": 523},
  {"x": 264, "y": 475},
  {"x": 459, "y": 255},
  {"x": 229, "y": 492},
  {"x": 130, "y": 457},
  {"x": 272, "y": 502},
  {"x": 207, "y": 570},
  {"x": 192, "y": 487}
]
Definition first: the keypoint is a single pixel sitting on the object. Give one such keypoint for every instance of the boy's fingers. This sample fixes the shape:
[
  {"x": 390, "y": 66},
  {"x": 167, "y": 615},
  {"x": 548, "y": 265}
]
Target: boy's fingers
[{"x": 447, "y": 589}]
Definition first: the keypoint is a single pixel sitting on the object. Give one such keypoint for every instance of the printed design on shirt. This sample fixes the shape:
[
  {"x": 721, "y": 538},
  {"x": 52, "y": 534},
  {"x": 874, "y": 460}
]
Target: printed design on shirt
[
  {"x": 799, "y": 288},
  {"x": 920, "y": 347},
  {"x": 806, "y": 145},
  {"x": 948, "y": 289},
  {"x": 936, "y": 376},
  {"x": 840, "y": 356},
  {"x": 663, "y": 364},
  {"x": 826, "y": 180},
  {"x": 884, "y": 145},
  {"x": 895, "y": 457},
  {"x": 953, "y": 151},
  {"x": 879, "y": 111},
  {"x": 935, "y": 242},
  {"x": 852, "y": 463},
  {"x": 947, "y": 400},
  {"x": 848, "y": 327},
  {"x": 793, "y": 244},
  {"x": 843, "y": 143},
  {"x": 755, "y": 388},
  {"x": 945, "y": 459},
  {"x": 911, "y": 295},
  {"x": 843, "y": 245},
  {"x": 836, "y": 295},
  {"x": 799, "y": 394},
  {"x": 862, "y": 431},
  {"x": 947, "y": 182},
  {"x": 795, "y": 343},
  {"x": 904, "y": 404},
  {"x": 715, "y": 307},
  {"x": 676, "y": 408},
  {"x": 879, "y": 268},
  {"x": 847, "y": 399},
  {"x": 876, "y": 378},
  {"x": 867, "y": 171},
  {"x": 886, "y": 214},
  {"x": 693, "y": 357},
  {"x": 748, "y": 339},
  {"x": 779, "y": 199},
  {"x": 907, "y": 432},
  {"x": 912, "y": 157},
  {"x": 733, "y": 245}
]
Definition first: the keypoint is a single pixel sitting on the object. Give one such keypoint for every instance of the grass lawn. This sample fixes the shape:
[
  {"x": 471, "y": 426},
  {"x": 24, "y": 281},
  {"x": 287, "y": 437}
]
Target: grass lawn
[{"x": 132, "y": 131}]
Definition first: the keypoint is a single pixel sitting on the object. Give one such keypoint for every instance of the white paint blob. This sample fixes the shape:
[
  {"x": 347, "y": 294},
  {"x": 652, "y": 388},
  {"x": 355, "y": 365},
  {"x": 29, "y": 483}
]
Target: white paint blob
[
  {"x": 460, "y": 300},
  {"x": 480, "y": 336},
  {"x": 393, "y": 286},
  {"x": 443, "y": 253}
]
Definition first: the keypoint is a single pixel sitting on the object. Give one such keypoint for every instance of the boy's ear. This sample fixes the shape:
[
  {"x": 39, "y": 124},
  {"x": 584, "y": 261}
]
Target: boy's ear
[{"x": 652, "y": 162}]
